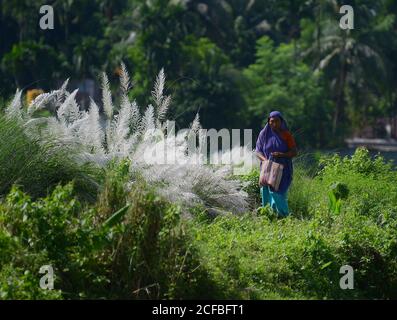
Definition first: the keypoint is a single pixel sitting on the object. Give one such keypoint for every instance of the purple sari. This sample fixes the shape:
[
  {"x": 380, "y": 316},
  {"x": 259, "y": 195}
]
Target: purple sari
[{"x": 268, "y": 142}]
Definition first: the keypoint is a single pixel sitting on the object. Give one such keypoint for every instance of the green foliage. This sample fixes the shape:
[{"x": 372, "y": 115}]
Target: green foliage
[
  {"x": 113, "y": 194},
  {"x": 370, "y": 183},
  {"x": 133, "y": 244},
  {"x": 26, "y": 59},
  {"x": 19, "y": 284},
  {"x": 300, "y": 256},
  {"x": 300, "y": 195},
  {"x": 291, "y": 258},
  {"x": 212, "y": 84},
  {"x": 43, "y": 232},
  {"x": 141, "y": 251},
  {"x": 207, "y": 81},
  {"x": 92, "y": 35},
  {"x": 279, "y": 80},
  {"x": 251, "y": 186},
  {"x": 267, "y": 212},
  {"x": 153, "y": 257},
  {"x": 360, "y": 163},
  {"x": 338, "y": 191},
  {"x": 324, "y": 77}
]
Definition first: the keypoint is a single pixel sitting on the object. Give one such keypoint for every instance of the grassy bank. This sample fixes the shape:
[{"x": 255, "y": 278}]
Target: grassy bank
[
  {"x": 344, "y": 213},
  {"x": 124, "y": 241}
]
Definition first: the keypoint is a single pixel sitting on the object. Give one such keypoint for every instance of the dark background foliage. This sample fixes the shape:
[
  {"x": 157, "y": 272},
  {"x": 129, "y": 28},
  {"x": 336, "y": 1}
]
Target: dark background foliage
[{"x": 231, "y": 61}]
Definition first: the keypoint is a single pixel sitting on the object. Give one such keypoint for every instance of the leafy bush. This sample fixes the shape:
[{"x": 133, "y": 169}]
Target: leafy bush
[
  {"x": 20, "y": 284},
  {"x": 252, "y": 187},
  {"x": 371, "y": 183},
  {"x": 258, "y": 256},
  {"x": 139, "y": 251},
  {"x": 262, "y": 258},
  {"x": 360, "y": 162}
]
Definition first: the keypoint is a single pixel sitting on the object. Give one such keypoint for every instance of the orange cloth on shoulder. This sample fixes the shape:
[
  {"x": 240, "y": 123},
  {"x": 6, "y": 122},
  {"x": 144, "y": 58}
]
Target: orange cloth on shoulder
[{"x": 288, "y": 138}]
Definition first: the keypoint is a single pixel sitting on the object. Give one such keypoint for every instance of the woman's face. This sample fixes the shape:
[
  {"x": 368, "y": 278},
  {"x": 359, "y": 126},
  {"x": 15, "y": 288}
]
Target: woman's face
[{"x": 275, "y": 123}]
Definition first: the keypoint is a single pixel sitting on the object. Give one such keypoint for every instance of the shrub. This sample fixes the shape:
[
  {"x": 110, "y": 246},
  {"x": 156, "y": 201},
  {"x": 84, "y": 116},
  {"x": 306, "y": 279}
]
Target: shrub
[
  {"x": 360, "y": 162},
  {"x": 154, "y": 257},
  {"x": 140, "y": 250},
  {"x": 300, "y": 256},
  {"x": 252, "y": 187},
  {"x": 20, "y": 284},
  {"x": 370, "y": 183},
  {"x": 262, "y": 258}
]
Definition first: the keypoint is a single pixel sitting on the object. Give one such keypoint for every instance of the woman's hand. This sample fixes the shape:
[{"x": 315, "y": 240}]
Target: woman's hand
[
  {"x": 277, "y": 154},
  {"x": 260, "y": 156},
  {"x": 290, "y": 154}
]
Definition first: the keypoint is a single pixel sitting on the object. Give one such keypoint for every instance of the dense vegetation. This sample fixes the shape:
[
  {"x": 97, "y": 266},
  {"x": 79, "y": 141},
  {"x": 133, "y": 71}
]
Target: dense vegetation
[
  {"x": 234, "y": 61},
  {"x": 132, "y": 243},
  {"x": 76, "y": 191},
  {"x": 113, "y": 228}
]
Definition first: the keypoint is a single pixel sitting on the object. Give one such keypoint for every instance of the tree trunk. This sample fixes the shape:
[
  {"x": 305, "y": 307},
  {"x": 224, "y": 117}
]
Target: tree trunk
[
  {"x": 318, "y": 35},
  {"x": 340, "y": 101}
]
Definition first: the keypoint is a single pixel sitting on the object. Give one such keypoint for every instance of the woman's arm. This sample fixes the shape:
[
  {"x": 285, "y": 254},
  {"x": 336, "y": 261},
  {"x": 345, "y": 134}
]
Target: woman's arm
[
  {"x": 293, "y": 152},
  {"x": 260, "y": 156}
]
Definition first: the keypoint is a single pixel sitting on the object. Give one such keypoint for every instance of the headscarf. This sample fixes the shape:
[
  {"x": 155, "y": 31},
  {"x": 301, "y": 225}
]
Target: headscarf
[
  {"x": 279, "y": 115},
  {"x": 269, "y": 141}
]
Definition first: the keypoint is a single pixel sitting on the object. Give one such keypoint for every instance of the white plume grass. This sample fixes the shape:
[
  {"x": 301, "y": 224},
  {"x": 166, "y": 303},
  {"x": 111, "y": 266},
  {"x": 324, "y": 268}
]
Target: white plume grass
[
  {"x": 13, "y": 110},
  {"x": 107, "y": 96},
  {"x": 129, "y": 135}
]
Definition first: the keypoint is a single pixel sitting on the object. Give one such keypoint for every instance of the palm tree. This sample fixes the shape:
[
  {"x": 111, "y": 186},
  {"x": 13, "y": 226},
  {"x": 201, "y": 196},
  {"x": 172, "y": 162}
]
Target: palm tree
[
  {"x": 64, "y": 9},
  {"x": 24, "y": 12},
  {"x": 344, "y": 55},
  {"x": 234, "y": 25}
]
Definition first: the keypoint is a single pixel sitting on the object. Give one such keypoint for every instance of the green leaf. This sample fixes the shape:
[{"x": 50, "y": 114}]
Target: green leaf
[
  {"x": 116, "y": 217},
  {"x": 325, "y": 265}
]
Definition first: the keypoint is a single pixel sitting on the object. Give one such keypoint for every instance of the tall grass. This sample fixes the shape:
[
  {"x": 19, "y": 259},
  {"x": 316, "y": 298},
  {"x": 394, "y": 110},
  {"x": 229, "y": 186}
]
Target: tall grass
[
  {"x": 38, "y": 167},
  {"x": 122, "y": 132}
]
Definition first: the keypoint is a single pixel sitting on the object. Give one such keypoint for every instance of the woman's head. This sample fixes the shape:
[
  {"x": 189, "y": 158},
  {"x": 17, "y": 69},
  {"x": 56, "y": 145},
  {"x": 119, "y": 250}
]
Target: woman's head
[{"x": 276, "y": 121}]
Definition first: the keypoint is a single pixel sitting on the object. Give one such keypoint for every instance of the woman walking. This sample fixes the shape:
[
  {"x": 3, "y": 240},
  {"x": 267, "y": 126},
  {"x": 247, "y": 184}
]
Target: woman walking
[{"x": 276, "y": 143}]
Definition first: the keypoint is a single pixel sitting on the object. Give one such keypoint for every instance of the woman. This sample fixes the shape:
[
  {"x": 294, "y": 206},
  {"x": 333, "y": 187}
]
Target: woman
[{"x": 276, "y": 143}]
